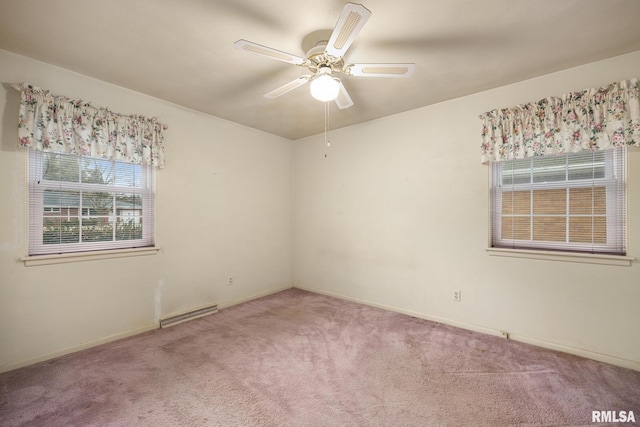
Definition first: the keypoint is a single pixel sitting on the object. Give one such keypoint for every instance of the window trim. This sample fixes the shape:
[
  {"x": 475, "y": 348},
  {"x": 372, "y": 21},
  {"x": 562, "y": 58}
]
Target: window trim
[
  {"x": 80, "y": 251},
  {"x": 37, "y": 260},
  {"x": 579, "y": 257}
]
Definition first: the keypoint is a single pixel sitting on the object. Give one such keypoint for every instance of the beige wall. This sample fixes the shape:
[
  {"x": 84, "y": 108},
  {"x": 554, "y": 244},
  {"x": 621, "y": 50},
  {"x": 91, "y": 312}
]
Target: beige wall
[
  {"x": 223, "y": 209},
  {"x": 397, "y": 216}
]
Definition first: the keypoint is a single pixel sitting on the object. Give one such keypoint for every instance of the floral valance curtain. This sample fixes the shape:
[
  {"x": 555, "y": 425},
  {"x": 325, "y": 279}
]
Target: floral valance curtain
[
  {"x": 593, "y": 119},
  {"x": 61, "y": 124}
]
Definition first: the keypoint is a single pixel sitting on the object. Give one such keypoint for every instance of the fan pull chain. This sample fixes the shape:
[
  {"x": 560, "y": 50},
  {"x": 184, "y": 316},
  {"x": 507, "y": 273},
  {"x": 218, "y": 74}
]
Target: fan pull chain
[{"x": 327, "y": 143}]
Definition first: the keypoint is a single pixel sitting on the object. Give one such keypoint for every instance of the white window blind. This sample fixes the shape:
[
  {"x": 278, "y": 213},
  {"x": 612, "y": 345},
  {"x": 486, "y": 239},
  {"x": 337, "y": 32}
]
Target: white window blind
[
  {"x": 80, "y": 203},
  {"x": 573, "y": 202}
]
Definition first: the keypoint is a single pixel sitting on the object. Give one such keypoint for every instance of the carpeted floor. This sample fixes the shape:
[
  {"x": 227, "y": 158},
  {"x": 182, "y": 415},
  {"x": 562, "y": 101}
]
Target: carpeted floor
[{"x": 302, "y": 359}]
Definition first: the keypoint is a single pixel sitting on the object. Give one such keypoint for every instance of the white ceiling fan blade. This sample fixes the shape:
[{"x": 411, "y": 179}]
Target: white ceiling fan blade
[
  {"x": 351, "y": 21},
  {"x": 268, "y": 52},
  {"x": 288, "y": 87},
  {"x": 343, "y": 100},
  {"x": 381, "y": 70}
]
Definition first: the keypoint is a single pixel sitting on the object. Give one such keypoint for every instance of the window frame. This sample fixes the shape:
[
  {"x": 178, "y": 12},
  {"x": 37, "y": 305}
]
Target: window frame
[
  {"x": 614, "y": 179},
  {"x": 37, "y": 186}
]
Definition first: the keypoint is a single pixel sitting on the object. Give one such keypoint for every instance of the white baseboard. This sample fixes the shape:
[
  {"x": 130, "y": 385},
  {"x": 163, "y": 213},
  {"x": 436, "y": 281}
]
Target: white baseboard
[
  {"x": 76, "y": 348},
  {"x": 93, "y": 343},
  {"x": 605, "y": 358},
  {"x": 612, "y": 360},
  {"x": 252, "y": 297}
]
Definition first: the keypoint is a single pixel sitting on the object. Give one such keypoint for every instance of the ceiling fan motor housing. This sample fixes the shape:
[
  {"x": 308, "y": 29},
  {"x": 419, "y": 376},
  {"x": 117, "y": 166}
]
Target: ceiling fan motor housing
[{"x": 317, "y": 57}]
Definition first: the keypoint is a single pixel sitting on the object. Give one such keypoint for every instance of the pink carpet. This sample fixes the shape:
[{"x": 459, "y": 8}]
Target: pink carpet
[{"x": 301, "y": 359}]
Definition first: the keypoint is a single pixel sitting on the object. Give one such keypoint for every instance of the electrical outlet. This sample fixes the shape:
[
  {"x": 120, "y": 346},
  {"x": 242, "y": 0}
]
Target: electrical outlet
[
  {"x": 504, "y": 334},
  {"x": 230, "y": 282},
  {"x": 457, "y": 295}
]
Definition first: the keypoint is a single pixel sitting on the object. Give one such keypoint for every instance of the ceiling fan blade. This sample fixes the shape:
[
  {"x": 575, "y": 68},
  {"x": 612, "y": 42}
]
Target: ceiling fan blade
[
  {"x": 269, "y": 52},
  {"x": 287, "y": 87},
  {"x": 343, "y": 100},
  {"x": 351, "y": 21},
  {"x": 380, "y": 70}
]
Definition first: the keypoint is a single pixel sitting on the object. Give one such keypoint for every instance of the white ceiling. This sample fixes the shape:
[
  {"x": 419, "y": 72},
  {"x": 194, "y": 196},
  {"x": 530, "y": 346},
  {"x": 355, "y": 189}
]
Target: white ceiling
[{"x": 182, "y": 51}]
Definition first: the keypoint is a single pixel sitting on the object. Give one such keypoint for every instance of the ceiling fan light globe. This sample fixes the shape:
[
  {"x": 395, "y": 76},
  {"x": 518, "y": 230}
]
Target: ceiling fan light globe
[{"x": 325, "y": 88}]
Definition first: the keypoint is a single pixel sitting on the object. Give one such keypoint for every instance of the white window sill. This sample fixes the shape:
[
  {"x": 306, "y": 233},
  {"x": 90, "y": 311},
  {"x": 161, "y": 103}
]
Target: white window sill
[
  {"x": 31, "y": 261},
  {"x": 619, "y": 260}
]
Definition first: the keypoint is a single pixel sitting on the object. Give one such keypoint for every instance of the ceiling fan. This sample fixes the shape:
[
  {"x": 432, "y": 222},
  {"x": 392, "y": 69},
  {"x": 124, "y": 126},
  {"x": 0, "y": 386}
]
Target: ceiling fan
[{"x": 325, "y": 60}]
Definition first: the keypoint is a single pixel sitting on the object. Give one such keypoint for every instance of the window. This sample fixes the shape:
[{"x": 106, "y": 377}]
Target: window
[
  {"x": 571, "y": 202},
  {"x": 80, "y": 203}
]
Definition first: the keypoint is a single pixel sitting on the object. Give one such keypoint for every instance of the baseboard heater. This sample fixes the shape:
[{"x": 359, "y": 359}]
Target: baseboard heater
[{"x": 188, "y": 315}]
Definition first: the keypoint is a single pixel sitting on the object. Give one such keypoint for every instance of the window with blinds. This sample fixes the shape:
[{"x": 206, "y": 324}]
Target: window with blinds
[
  {"x": 573, "y": 202},
  {"x": 80, "y": 203}
]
